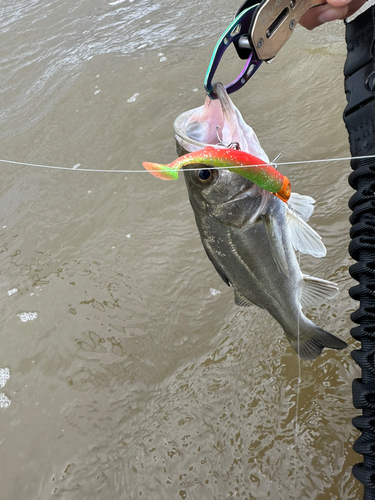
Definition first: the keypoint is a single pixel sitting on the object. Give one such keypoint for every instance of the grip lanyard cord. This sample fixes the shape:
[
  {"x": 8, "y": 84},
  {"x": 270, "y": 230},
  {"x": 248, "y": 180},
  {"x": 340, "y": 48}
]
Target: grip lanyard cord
[{"x": 359, "y": 118}]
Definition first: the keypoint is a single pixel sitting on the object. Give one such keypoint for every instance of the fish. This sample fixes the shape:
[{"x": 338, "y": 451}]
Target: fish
[
  {"x": 250, "y": 236},
  {"x": 256, "y": 170}
]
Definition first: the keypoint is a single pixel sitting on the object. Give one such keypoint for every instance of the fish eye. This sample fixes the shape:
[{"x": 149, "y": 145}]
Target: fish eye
[{"x": 205, "y": 176}]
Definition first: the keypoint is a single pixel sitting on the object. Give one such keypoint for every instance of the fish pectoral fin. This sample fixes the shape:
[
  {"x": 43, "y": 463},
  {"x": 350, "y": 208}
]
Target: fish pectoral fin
[
  {"x": 301, "y": 204},
  {"x": 304, "y": 238},
  {"x": 315, "y": 290},
  {"x": 216, "y": 266},
  {"x": 274, "y": 234},
  {"x": 241, "y": 300}
]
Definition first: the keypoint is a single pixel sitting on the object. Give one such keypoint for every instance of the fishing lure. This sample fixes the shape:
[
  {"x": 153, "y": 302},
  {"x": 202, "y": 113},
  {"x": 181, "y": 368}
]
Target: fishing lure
[{"x": 252, "y": 168}]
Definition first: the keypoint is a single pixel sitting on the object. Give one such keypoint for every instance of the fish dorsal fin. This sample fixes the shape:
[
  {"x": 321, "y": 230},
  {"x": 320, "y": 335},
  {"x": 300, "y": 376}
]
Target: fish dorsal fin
[
  {"x": 241, "y": 300},
  {"x": 275, "y": 239},
  {"x": 303, "y": 237},
  {"x": 303, "y": 205},
  {"x": 315, "y": 290}
]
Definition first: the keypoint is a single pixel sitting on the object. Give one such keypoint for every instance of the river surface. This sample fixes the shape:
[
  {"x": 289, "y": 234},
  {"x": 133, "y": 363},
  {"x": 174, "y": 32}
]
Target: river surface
[{"x": 127, "y": 371}]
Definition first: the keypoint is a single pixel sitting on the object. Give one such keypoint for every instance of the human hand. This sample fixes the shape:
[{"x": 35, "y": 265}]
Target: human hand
[{"x": 330, "y": 11}]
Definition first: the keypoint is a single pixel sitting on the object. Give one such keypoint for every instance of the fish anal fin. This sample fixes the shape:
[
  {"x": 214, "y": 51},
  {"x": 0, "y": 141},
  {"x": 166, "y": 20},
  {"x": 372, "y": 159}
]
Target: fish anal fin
[
  {"x": 316, "y": 290},
  {"x": 241, "y": 300},
  {"x": 303, "y": 237}
]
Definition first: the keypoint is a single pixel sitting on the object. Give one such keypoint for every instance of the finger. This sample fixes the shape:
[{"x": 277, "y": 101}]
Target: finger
[
  {"x": 338, "y": 3},
  {"x": 322, "y": 14},
  {"x": 332, "y": 14},
  {"x": 354, "y": 5}
]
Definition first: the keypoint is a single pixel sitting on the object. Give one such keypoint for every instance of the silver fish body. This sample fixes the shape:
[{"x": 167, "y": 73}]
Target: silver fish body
[
  {"x": 251, "y": 236},
  {"x": 245, "y": 232}
]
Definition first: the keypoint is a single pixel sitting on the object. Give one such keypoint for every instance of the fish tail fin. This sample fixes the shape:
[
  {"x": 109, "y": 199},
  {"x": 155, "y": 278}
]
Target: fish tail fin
[
  {"x": 164, "y": 172},
  {"x": 312, "y": 343}
]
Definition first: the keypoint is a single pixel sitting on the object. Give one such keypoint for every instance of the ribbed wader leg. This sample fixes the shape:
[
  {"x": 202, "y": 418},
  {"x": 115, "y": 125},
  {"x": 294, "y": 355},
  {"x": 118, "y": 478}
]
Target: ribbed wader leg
[{"x": 359, "y": 117}]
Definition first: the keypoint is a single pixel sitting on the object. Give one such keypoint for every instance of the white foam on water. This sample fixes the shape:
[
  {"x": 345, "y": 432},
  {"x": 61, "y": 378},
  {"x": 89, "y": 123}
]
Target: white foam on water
[
  {"x": 12, "y": 291},
  {"x": 27, "y": 316},
  {"x": 214, "y": 292},
  {"x": 4, "y": 400},
  {"x": 4, "y": 376},
  {"x": 133, "y": 98}
]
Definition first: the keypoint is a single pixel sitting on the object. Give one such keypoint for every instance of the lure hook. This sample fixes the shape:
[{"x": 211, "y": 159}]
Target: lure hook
[{"x": 231, "y": 145}]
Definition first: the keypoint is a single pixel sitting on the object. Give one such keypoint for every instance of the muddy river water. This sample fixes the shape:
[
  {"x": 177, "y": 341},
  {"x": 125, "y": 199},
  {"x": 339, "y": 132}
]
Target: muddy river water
[{"x": 127, "y": 370}]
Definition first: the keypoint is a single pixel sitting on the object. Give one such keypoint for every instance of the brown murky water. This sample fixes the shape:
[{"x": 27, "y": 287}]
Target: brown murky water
[{"x": 132, "y": 372}]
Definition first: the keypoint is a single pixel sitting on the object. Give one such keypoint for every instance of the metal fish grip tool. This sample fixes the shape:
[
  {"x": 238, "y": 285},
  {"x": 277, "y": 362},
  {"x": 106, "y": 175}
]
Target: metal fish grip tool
[{"x": 258, "y": 32}]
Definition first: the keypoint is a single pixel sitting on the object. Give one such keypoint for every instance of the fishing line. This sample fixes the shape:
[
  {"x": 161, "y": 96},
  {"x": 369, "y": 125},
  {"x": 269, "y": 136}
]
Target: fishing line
[
  {"x": 299, "y": 381},
  {"x": 296, "y": 427},
  {"x": 143, "y": 171}
]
